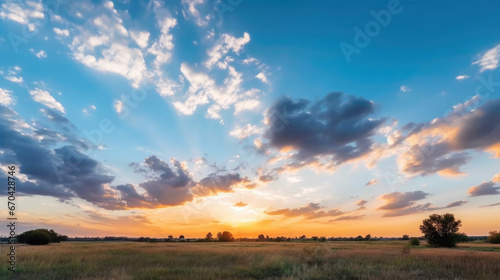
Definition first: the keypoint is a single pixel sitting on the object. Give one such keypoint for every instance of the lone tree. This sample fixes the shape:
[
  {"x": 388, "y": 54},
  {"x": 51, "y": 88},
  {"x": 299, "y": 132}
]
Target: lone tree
[
  {"x": 225, "y": 236},
  {"x": 261, "y": 237},
  {"x": 494, "y": 237},
  {"x": 441, "y": 230},
  {"x": 40, "y": 236}
]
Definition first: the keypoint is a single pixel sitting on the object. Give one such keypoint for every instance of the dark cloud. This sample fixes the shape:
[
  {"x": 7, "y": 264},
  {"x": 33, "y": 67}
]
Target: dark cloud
[
  {"x": 397, "y": 200},
  {"x": 410, "y": 210},
  {"x": 443, "y": 144},
  {"x": 240, "y": 204},
  {"x": 348, "y": 218},
  {"x": 215, "y": 183},
  {"x": 267, "y": 178},
  {"x": 310, "y": 211},
  {"x": 485, "y": 188},
  {"x": 371, "y": 182},
  {"x": 490, "y": 205},
  {"x": 480, "y": 128},
  {"x": 455, "y": 204},
  {"x": 401, "y": 204},
  {"x": 169, "y": 186},
  {"x": 361, "y": 203},
  {"x": 338, "y": 127},
  {"x": 58, "y": 118}
]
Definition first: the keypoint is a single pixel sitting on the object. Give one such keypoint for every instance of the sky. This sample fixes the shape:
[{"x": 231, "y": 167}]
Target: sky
[{"x": 331, "y": 118}]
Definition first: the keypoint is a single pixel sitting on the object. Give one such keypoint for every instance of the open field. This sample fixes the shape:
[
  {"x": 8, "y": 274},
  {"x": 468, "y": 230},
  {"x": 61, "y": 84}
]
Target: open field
[{"x": 252, "y": 260}]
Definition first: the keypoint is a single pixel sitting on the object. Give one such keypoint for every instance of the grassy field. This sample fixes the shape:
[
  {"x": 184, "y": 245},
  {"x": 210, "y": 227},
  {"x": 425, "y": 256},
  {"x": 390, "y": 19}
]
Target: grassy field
[{"x": 252, "y": 260}]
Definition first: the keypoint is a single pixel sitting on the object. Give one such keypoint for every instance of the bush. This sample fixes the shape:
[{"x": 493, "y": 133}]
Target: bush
[
  {"x": 414, "y": 242},
  {"x": 40, "y": 237},
  {"x": 494, "y": 237}
]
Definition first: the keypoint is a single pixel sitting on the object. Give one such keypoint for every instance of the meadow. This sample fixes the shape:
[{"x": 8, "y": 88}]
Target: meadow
[{"x": 252, "y": 260}]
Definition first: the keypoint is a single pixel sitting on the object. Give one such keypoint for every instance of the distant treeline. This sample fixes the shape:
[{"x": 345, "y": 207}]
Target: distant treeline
[{"x": 260, "y": 238}]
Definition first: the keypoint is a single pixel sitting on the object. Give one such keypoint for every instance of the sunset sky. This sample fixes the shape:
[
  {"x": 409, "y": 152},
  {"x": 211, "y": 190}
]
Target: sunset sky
[{"x": 328, "y": 118}]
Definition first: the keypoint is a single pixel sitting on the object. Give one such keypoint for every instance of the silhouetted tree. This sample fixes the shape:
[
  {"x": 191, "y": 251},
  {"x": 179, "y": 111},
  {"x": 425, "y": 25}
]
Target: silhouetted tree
[
  {"x": 209, "y": 236},
  {"x": 406, "y": 237},
  {"x": 314, "y": 238},
  {"x": 39, "y": 237},
  {"x": 303, "y": 237},
  {"x": 494, "y": 237},
  {"x": 261, "y": 237},
  {"x": 441, "y": 230},
  {"x": 368, "y": 237},
  {"x": 225, "y": 236},
  {"x": 181, "y": 237}
]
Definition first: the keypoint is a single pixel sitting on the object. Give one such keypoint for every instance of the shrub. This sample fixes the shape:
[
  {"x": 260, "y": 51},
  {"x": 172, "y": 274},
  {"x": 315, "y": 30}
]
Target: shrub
[
  {"x": 414, "y": 242},
  {"x": 494, "y": 237}
]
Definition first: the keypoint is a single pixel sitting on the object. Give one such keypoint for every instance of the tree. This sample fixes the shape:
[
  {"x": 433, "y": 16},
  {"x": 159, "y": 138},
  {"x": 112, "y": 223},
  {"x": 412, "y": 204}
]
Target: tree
[
  {"x": 261, "y": 237},
  {"x": 209, "y": 236},
  {"x": 181, "y": 236},
  {"x": 406, "y": 237},
  {"x": 40, "y": 236},
  {"x": 368, "y": 237},
  {"x": 225, "y": 236},
  {"x": 35, "y": 237},
  {"x": 441, "y": 230},
  {"x": 494, "y": 237}
]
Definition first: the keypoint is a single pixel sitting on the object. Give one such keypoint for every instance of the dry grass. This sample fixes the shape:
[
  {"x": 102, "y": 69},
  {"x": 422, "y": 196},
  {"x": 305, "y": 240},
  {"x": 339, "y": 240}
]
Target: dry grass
[{"x": 330, "y": 260}]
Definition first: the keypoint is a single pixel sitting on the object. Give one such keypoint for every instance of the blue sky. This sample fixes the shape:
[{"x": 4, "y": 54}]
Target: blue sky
[{"x": 136, "y": 111}]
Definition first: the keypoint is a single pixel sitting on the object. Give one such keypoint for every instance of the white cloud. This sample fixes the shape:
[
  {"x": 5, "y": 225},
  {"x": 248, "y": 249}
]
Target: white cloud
[
  {"x": 166, "y": 86},
  {"x": 5, "y": 97},
  {"x": 262, "y": 76},
  {"x": 41, "y": 54},
  {"x": 163, "y": 46},
  {"x": 141, "y": 38},
  {"x": 191, "y": 5},
  {"x": 489, "y": 60},
  {"x": 61, "y": 32},
  {"x": 12, "y": 75},
  {"x": 250, "y": 60},
  {"x": 118, "y": 105},
  {"x": 203, "y": 89},
  {"x": 22, "y": 12},
  {"x": 246, "y": 131},
  {"x": 44, "y": 97},
  {"x": 404, "y": 88},
  {"x": 462, "y": 77},
  {"x": 102, "y": 44},
  {"x": 109, "y": 5},
  {"x": 225, "y": 44},
  {"x": 246, "y": 105},
  {"x": 15, "y": 79},
  {"x": 118, "y": 59}
]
